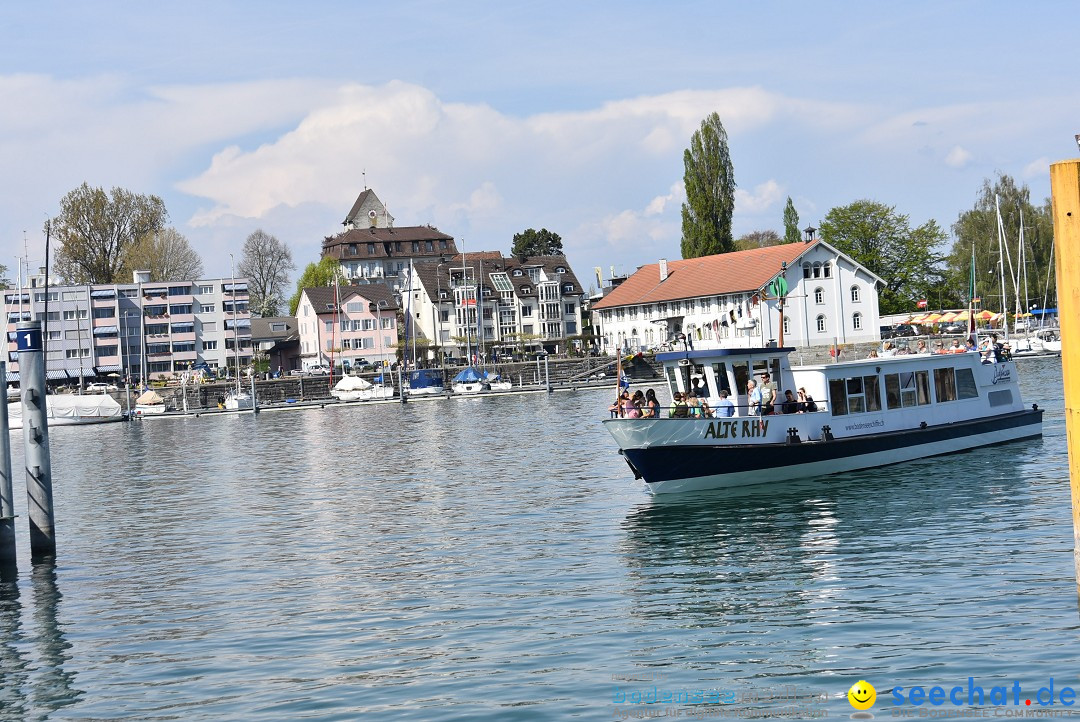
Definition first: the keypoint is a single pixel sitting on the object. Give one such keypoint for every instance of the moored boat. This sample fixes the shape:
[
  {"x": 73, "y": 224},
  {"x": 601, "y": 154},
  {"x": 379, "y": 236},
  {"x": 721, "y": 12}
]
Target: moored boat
[
  {"x": 354, "y": 388},
  {"x": 869, "y": 413},
  {"x": 149, "y": 403},
  {"x": 71, "y": 410},
  {"x": 468, "y": 381},
  {"x": 425, "y": 382}
]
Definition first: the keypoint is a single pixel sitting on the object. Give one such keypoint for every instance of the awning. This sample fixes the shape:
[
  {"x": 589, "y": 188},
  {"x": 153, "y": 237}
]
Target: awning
[
  {"x": 107, "y": 293},
  {"x": 56, "y": 374},
  {"x": 88, "y": 371},
  {"x": 235, "y": 287},
  {"x": 183, "y": 327},
  {"x": 107, "y": 369},
  {"x": 105, "y": 330},
  {"x": 12, "y": 375},
  {"x": 240, "y": 323}
]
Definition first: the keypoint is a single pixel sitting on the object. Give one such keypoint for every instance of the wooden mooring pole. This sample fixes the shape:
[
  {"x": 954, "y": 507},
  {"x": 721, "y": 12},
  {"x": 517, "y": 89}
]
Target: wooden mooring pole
[{"x": 1065, "y": 193}]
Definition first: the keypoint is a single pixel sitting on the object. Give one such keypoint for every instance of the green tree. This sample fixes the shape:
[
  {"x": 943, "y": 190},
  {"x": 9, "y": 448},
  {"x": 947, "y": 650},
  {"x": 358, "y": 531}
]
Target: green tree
[
  {"x": 315, "y": 275},
  {"x": 882, "y": 240},
  {"x": 95, "y": 231},
  {"x": 978, "y": 227},
  {"x": 166, "y": 254},
  {"x": 792, "y": 234},
  {"x": 710, "y": 192},
  {"x": 758, "y": 239},
  {"x": 266, "y": 264},
  {"x": 531, "y": 242}
]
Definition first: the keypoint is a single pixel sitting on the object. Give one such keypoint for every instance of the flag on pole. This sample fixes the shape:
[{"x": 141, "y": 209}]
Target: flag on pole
[
  {"x": 921, "y": 304},
  {"x": 972, "y": 335}
]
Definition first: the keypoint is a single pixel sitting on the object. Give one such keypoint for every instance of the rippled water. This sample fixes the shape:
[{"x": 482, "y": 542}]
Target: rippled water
[{"x": 494, "y": 559}]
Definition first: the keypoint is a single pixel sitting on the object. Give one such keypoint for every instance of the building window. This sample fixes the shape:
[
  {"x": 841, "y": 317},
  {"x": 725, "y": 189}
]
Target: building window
[
  {"x": 570, "y": 309},
  {"x": 206, "y": 289},
  {"x": 179, "y": 290},
  {"x": 821, "y": 324},
  {"x": 826, "y": 270},
  {"x": 105, "y": 312},
  {"x": 856, "y": 295},
  {"x": 819, "y": 295},
  {"x": 856, "y": 321},
  {"x": 209, "y": 345}
]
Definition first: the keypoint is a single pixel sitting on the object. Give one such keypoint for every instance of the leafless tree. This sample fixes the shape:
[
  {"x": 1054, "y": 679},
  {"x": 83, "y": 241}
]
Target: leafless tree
[{"x": 266, "y": 264}]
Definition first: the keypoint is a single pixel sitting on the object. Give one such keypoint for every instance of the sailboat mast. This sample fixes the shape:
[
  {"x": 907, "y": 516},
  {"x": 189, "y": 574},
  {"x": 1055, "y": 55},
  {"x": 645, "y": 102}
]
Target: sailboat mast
[{"x": 1001, "y": 267}]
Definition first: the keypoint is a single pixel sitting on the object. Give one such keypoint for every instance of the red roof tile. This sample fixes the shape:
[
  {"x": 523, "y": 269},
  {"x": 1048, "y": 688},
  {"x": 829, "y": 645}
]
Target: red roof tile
[{"x": 724, "y": 273}]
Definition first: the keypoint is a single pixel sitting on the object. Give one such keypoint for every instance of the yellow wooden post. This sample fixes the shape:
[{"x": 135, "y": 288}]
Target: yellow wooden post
[{"x": 1065, "y": 193}]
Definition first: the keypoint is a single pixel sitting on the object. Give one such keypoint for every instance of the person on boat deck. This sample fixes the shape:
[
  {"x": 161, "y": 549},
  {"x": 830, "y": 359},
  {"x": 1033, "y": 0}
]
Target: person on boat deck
[
  {"x": 619, "y": 407},
  {"x": 652, "y": 406},
  {"x": 920, "y": 348},
  {"x": 956, "y": 347},
  {"x": 887, "y": 349},
  {"x": 679, "y": 409},
  {"x": 939, "y": 347},
  {"x": 768, "y": 395},
  {"x": 790, "y": 405},
  {"x": 806, "y": 402},
  {"x": 699, "y": 388},
  {"x": 631, "y": 410},
  {"x": 873, "y": 353},
  {"x": 753, "y": 395},
  {"x": 724, "y": 407},
  {"x": 969, "y": 345}
]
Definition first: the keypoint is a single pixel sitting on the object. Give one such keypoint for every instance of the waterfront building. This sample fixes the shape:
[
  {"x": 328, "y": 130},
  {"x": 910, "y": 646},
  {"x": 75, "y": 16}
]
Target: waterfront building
[
  {"x": 140, "y": 330},
  {"x": 485, "y": 303},
  {"x": 278, "y": 339},
  {"x": 724, "y": 301},
  {"x": 338, "y": 325},
  {"x": 372, "y": 250}
]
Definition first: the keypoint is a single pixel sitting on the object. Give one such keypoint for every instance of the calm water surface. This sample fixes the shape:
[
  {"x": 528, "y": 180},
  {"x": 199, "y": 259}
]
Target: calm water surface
[{"x": 494, "y": 559}]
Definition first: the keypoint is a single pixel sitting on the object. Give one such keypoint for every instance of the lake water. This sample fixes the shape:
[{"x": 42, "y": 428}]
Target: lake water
[{"x": 493, "y": 559}]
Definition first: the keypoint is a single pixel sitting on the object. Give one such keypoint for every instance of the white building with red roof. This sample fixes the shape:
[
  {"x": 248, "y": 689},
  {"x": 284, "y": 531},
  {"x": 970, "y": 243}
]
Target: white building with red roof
[{"x": 726, "y": 301}]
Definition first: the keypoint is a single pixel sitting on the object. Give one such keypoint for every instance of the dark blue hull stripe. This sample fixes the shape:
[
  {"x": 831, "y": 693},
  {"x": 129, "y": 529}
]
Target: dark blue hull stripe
[{"x": 666, "y": 463}]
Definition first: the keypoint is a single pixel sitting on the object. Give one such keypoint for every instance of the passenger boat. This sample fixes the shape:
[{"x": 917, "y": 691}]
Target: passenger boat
[{"x": 872, "y": 412}]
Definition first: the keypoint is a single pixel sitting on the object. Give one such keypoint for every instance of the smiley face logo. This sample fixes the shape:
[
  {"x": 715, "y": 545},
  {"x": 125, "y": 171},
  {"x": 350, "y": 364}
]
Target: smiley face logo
[{"x": 862, "y": 695}]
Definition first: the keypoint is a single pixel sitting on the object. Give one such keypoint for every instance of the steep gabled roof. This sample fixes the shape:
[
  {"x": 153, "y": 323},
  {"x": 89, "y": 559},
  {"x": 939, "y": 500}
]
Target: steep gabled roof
[{"x": 322, "y": 297}]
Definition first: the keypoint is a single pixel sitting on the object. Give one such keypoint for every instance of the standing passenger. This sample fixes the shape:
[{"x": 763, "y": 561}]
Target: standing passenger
[{"x": 724, "y": 407}]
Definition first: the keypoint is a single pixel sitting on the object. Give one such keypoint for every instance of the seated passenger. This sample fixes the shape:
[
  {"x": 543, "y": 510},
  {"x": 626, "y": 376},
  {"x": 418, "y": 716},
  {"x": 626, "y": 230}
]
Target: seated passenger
[
  {"x": 679, "y": 409},
  {"x": 807, "y": 401},
  {"x": 956, "y": 347},
  {"x": 887, "y": 349},
  {"x": 789, "y": 405}
]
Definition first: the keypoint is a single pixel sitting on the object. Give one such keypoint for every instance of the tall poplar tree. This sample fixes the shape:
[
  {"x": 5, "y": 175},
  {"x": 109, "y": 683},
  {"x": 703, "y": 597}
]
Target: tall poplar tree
[
  {"x": 792, "y": 234},
  {"x": 710, "y": 192}
]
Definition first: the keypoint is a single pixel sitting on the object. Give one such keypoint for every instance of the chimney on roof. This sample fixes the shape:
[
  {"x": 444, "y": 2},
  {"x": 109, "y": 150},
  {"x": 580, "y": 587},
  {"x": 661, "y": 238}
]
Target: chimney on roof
[{"x": 663, "y": 270}]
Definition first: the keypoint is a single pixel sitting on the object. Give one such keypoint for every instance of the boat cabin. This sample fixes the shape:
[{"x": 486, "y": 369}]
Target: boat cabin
[{"x": 730, "y": 369}]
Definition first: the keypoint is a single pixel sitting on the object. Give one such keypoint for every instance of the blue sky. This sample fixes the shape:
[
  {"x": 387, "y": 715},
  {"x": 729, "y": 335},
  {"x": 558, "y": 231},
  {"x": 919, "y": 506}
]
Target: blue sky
[{"x": 484, "y": 119}]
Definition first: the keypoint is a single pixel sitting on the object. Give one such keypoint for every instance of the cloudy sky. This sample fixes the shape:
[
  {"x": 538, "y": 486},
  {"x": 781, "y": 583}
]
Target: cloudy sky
[{"x": 486, "y": 118}]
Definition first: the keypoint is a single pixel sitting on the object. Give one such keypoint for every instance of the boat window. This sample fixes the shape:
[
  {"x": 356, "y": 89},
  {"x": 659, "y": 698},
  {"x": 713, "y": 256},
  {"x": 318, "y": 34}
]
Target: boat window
[
  {"x": 673, "y": 379},
  {"x": 1002, "y": 397},
  {"x": 838, "y": 396},
  {"x": 855, "y": 396},
  {"x": 872, "y": 392},
  {"x": 742, "y": 376},
  {"x": 907, "y": 389},
  {"x": 965, "y": 384},
  {"x": 720, "y": 374},
  {"x": 945, "y": 384},
  {"x": 699, "y": 382}
]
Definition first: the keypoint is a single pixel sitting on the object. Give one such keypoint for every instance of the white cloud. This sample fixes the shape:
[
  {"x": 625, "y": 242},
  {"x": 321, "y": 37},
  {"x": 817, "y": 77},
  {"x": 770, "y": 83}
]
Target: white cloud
[
  {"x": 957, "y": 157},
  {"x": 1037, "y": 168},
  {"x": 764, "y": 196}
]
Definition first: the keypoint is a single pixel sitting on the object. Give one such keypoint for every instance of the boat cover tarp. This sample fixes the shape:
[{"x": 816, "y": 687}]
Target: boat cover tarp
[
  {"x": 425, "y": 378},
  {"x": 492, "y": 376},
  {"x": 150, "y": 397},
  {"x": 468, "y": 376},
  {"x": 352, "y": 383},
  {"x": 73, "y": 405}
]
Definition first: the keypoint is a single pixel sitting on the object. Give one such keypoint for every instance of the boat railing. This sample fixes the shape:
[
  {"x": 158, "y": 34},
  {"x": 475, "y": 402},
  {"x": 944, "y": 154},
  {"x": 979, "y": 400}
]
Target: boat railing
[{"x": 741, "y": 412}]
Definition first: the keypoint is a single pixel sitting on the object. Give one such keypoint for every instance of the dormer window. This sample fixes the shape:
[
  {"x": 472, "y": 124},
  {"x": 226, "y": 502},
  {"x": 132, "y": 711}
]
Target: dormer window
[
  {"x": 518, "y": 273},
  {"x": 525, "y": 289},
  {"x": 568, "y": 288},
  {"x": 560, "y": 269}
]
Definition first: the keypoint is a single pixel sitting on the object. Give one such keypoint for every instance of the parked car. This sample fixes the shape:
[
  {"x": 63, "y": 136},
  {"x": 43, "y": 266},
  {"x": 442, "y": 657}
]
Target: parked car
[
  {"x": 954, "y": 328},
  {"x": 100, "y": 388},
  {"x": 319, "y": 370}
]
